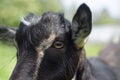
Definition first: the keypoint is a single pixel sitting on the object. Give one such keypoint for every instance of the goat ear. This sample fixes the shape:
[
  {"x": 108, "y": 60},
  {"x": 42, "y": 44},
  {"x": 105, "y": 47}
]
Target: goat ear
[
  {"x": 81, "y": 25},
  {"x": 7, "y": 33}
]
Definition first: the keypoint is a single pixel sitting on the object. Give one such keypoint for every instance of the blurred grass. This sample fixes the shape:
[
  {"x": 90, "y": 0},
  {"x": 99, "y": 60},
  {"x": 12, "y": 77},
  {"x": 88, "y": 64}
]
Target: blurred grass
[
  {"x": 7, "y": 60},
  {"x": 8, "y": 57},
  {"x": 92, "y": 50},
  {"x": 11, "y": 11}
]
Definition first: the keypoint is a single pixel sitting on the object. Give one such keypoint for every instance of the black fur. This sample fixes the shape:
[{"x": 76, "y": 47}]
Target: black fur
[
  {"x": 39, "y": 59},
  {"x": 57, "y": 64}
]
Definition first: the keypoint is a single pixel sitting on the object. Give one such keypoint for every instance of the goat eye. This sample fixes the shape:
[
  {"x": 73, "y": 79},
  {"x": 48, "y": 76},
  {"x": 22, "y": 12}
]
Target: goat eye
[{"x": 58, "y": 44}]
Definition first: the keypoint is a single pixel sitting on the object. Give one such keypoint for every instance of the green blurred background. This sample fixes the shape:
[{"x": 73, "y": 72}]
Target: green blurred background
[{"x": 11, "y": 12}]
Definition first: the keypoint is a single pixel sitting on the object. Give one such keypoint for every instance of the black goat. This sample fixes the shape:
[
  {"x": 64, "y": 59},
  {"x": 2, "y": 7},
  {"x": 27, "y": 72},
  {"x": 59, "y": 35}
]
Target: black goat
[{"x": 49, "y": 47}]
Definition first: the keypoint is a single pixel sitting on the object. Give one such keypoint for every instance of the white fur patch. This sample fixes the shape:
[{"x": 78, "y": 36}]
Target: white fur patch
[
  {"x": 39, "y": 59},
  {"x": 27, "y": 23},
  {"x": 31, "y": 21},
  {"x": 12, "y": 31},
  {"x": 40, "y": 51},
  {"x": 74, "y": 77},
  {"x": 46, "y": 43}
]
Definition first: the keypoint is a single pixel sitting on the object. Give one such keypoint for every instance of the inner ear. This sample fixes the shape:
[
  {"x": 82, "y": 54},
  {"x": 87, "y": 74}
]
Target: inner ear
[{"x": 81, "y": 25}]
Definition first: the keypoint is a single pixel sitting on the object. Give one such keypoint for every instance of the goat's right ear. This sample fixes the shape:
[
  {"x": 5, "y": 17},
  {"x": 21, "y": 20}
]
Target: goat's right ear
[
  {"x": 7, "y": 33},
  {"x": 81, "y": 25}
]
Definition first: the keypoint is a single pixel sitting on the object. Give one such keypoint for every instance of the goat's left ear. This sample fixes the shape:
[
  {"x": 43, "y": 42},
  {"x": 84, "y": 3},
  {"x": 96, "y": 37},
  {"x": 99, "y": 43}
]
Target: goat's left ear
[
  {"x": 7, "y": 33},
  {"x": 81, "y": 25}
]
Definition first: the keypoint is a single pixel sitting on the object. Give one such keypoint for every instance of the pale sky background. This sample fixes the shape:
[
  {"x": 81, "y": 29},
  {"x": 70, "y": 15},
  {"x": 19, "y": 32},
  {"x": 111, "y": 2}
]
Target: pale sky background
[{"x": 113, "y": 6}]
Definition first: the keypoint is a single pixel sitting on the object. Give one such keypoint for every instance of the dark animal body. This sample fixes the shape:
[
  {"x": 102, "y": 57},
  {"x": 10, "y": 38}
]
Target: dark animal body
[{"x": 49, "y": 47}]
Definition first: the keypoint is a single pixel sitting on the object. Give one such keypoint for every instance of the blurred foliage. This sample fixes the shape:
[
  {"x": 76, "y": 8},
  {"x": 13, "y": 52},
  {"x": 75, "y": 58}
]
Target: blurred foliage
[
  {"x": 105, "y": 18},
  {"x": 92, "y": 50},
  {"x": 7, "y": 60},
  {"x": 11, "y": 11}
]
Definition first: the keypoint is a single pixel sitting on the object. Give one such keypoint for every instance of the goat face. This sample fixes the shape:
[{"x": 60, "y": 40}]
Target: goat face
[{"x": 49, "y": 46}]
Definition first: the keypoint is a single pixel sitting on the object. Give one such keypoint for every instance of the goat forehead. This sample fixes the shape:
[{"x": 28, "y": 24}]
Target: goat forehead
[
  {"x": 48, "y": 24},
  {"x": 52, "y": 16},
  {"x": 56, "y": 21}
]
